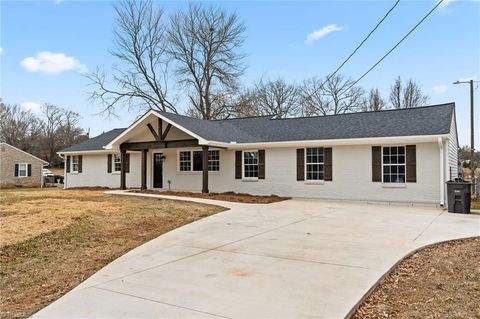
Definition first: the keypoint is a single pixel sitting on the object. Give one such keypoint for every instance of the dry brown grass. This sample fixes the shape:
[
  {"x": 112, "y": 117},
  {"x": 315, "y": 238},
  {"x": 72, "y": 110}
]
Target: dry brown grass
[
  {"x": 441, "y": 281},
  {"x": 227, "y": 196},
  {"x": 53, "y": 239}
]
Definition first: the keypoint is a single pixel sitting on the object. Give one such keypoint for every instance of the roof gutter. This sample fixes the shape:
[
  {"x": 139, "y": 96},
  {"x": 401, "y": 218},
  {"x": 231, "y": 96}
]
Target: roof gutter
[{"x": 328, "y": 142}]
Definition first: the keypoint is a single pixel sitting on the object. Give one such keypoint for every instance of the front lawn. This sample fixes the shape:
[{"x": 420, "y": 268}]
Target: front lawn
[
  {"x": 441, "y": 281},
  {"x": 53, "y": 239}
]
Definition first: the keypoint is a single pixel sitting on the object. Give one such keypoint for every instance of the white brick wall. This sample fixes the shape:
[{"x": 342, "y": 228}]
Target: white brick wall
[{"x": 351, "y": 175}]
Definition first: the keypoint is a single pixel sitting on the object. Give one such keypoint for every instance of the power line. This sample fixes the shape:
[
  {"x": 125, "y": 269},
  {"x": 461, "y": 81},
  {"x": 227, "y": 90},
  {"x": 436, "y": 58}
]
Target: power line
[
  {"x": 356, "y": 49},
  {"x": 364, "y": 40},
  {"x": 396, "y": 45}
]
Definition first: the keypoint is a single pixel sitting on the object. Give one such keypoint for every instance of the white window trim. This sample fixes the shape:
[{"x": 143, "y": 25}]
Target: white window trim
[
  {"x": 26, "y": 170},
  {"x": 191, "y": 171},
  {"x": 313, "y": 181},
  {"x": 249, "y": 179},
  {"x": 72, "y": 170},
  {"x": 391, "y": 184}
]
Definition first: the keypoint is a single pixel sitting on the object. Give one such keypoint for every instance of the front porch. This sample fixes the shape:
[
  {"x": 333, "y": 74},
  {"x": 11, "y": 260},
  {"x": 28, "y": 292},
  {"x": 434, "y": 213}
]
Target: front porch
[{"x": 154, "y": 136}]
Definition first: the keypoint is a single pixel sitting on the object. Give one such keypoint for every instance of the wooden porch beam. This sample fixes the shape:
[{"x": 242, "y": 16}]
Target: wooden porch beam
[
  {"x": 164, "y": 135},
  {"x": 123, "y": 173},
  {"x": 204, "y": 169},
  {"x": 144, "y": 169},
  {"x": 138, "y": 146},
  {"x": 152, "y": 130}
]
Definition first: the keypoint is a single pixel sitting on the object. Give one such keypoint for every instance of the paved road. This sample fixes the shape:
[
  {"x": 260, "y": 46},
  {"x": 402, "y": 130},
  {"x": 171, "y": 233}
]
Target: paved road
[{"x": 294, "y": 259}]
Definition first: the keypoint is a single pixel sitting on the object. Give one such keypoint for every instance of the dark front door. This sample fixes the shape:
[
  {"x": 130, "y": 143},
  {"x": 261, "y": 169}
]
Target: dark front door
[{"x": 157, "y": 170}]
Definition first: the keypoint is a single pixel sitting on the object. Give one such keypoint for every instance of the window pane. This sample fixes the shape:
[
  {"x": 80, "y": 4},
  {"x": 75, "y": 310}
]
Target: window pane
[
  {"x": 386, "y": 178},
  {"x": 250, "y": 164},
  {"x": 185, "y": 164},
  {"x": 401, "y": 159},
  {"x": 401, "y": 150},
  {"x": 386, "y": 160},
  {"x": 214, "y": 161}
]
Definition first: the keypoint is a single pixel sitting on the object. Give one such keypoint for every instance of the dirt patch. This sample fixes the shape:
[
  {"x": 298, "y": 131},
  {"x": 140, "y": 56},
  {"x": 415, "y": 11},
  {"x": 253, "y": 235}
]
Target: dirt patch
[
  {"x": 227, "y": 196},
  {"x": 62, "y": 237},
  {"x": 440, "y": 281}
]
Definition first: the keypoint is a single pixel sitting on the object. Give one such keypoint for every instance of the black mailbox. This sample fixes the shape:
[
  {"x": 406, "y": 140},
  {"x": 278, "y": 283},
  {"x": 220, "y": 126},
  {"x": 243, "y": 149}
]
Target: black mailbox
[{"x": 459, "y": 197}]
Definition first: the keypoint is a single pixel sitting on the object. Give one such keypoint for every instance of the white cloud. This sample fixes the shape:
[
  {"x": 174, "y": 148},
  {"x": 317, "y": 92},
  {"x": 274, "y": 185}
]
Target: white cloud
[
  {"x": 57, "y": 1},
  {"x": 52, "y": 63},
  {"x": 1, "y": 51},
  {"x": 320, "y": 33},
  {"x": 442, "y": 88},
  {"x": 31, "y": 106},
  {"x": 445, "y": 3}
]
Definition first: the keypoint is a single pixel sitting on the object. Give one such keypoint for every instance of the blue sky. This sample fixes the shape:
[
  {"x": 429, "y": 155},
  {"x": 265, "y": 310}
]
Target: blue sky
[{"x": 78, "y": 35}]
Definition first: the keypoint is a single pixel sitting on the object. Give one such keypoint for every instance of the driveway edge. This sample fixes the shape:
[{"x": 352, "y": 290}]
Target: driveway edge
[{"x": 391, "y": 269}]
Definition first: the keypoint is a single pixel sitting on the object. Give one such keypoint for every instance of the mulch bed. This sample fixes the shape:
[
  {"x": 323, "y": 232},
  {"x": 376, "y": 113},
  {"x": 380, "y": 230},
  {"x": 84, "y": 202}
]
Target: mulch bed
[
  {"x": 227, "y": 196},
  {"x": 440, "y": 281}
]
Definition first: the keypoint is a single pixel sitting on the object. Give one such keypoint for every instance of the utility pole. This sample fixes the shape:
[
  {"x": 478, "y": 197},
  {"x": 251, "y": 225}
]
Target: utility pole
[{"x": 472, "y": 133}]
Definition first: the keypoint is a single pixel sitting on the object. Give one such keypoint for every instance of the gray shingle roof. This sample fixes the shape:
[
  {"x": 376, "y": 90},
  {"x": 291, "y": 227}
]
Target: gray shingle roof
[
  {"x": 426, "y": 120},
  {"x": 95, "y": 143}
]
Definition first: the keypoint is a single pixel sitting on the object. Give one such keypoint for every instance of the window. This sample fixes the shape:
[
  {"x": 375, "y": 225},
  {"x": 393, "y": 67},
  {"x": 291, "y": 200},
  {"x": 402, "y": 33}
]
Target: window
[
  {"x": 185, "y": 164},
  {"x": 22, "y": 170},
  {"x": 314, "y": 160},
  {"x": 250, "y": 164},
  {"x": 214, "y": 161},
  {"x": 393, "y": 164},
  {"x": 117, "y": 163},
  {"x": 75, "y": 163},
  {"x": 193, "y": 161}
]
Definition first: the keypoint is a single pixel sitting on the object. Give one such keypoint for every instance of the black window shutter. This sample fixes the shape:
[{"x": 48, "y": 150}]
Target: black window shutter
[
  {"x": 328, "y": 164},
  {"x": 29, "y": 169},
  {"x": 411, "y": 161},
  {"x": 80, "y": 158},
  {"x": 68, "y": 164},
  {"x": 300, "y": 164},
  {"x": 261, "y": 164},
  {"x": 109, "y": 163},
  {"x": 127, "y": 163},
  {"x": 238, "y": 165},
  {"x": 16, "y": 170},
  {"x": 376, "y": 163}
]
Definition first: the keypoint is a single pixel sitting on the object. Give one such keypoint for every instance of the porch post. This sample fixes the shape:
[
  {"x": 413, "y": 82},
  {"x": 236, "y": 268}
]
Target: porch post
[
  {"x": 123, "y": 174},
  {"x": 204, "y": 169},
  {"x": 144, "y": 168}
]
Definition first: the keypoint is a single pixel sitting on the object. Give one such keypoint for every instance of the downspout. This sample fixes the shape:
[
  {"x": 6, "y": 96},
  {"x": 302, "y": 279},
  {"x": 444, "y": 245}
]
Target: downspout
[{"x": 442, "y": 172}]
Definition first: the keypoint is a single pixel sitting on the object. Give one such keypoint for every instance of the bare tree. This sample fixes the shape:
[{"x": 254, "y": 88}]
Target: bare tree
[
  {"x": 408, "y": 95},
  {"x": 204, "y": 42},
  {"x": 313, "y": 99},
  {"x": 374, "y": 101},
  {"x": 275, "y": 97},
  {"x": 19, "y": 127},
  {"x": 335, "y": 95},
  {"x": 140, "y": 79},
  {"x": 52, "y": 121}
]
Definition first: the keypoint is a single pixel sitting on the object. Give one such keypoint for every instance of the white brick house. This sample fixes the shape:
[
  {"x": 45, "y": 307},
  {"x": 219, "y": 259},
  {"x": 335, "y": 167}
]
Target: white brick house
[{"x": 393, "y": 156}]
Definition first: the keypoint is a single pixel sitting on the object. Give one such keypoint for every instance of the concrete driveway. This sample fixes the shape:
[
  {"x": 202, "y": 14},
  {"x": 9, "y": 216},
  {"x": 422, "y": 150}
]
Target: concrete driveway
[{"x": 294, "y": 259}]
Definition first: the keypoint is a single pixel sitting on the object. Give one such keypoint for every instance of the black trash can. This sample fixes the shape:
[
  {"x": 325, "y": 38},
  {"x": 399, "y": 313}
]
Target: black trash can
[{"x": 459, "y": 197}]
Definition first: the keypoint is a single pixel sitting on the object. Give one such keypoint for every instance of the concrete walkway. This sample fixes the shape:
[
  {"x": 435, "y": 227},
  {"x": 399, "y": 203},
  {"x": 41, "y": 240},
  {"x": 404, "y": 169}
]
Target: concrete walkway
[{"x": 293, "y": 259}]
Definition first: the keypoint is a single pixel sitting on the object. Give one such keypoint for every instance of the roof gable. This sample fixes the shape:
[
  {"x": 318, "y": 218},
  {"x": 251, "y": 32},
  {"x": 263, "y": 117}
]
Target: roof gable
[{"x": 22, "y": 151}]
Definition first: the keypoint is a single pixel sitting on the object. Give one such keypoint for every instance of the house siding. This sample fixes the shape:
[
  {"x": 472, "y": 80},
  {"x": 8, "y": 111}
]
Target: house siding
[
  {"x": 94, "y": 173},
  {"x": 452, "y": 151},
  {"x": 352, "y": 175},
  {"x": 9, "y": 156}
]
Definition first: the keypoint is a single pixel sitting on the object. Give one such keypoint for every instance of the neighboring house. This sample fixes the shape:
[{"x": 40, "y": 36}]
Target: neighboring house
[
  {"x": 19, "y": 168},
  {"x": 395, "y": 155}
]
